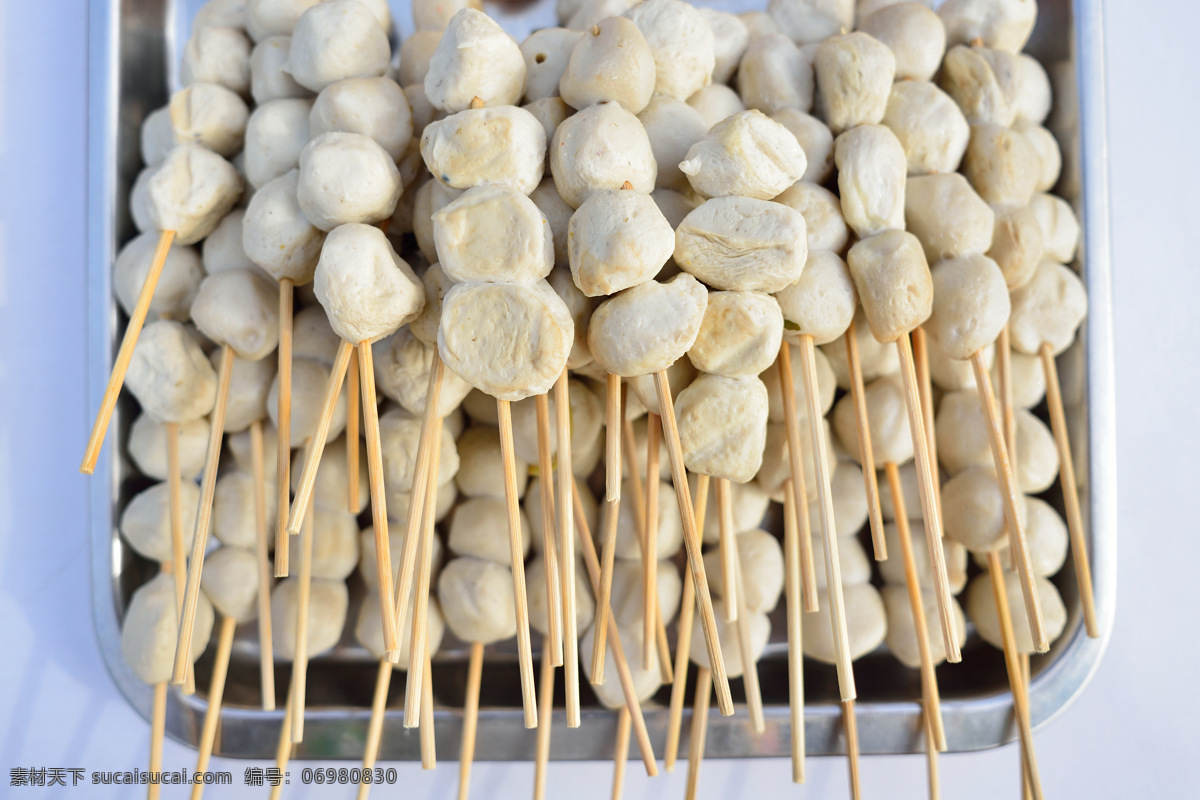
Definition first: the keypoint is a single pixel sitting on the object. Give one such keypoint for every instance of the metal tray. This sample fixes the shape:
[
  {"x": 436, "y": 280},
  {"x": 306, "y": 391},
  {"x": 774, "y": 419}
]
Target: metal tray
[{"x": 133, "y": 64}]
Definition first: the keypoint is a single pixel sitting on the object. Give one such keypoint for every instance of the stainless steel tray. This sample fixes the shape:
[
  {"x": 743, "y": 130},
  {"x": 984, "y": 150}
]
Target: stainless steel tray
[{"x": 134, "y": 53}]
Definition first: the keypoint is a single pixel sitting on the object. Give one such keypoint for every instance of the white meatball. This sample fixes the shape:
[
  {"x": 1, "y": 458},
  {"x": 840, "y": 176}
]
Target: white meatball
[
  {"x": 915, "y": 35},
  {"x": 475, "y": 58},
  {"x": 1060, "y": 227},
  {"x": 366, "y": 289},
  {"x": 1048, "y": 309},
  {"x": 611, "y": 693},
  {"x": 368, "y": 630},
  {"x": 853, "y": 561},
  {"x": 893, "y": 281},
  {"x": 825, "y": 228},
  {"x": 346, "y": 178},
  {"x": 190, "y": 192},
  {"x": 139, "y": 199},
  {"x": 335, "y": 40},
  {"x": 240, "y": 447},
  {"x": 169, "y": 374},
  {"x": 747, "y": 501},
  {"x": 509, "y": 340},
  {"x": 400, "y": 435},
  {"x": 981, "y": 608},
  {"x": 269, "y": 78},
  {"x": 581, "y": 307},
  {"x": 312, "y": 337},
  {"x": 480, "y": 473},
  {"x": 240, "y": 309},
  {"x": 223, "y": 13},
  {"x": 816, "y": 140},
  {"x": 146, "y": 520},
  {"x": 758, "y": 24},
  {"x": 682, "y": 43},
  {"x": 601, "y": 147},
  {"x": 546, "y": 53},
  {"x": 308, "y": 391},
  {"x": 587, "y": 419},
  {"x": 328, "y": 603},
  {"x": 616, "y": 239},
  {"x": 593, "y": 12},
  {"x": 929, "y": 126},
  {"x": 973, "y": 509},
  {"x": 723, "y": 426},
  {"x": 535, "y": 587},
  {"x": 437, "y": 284},
  {"x": 335, "y": 541},
  {"x": 274, "y": 17},
  {"x": 983, "y": 94},
  {"x": 644, "y": 394},
  {"x": 474, "y": 530},
  {"x": 871, "y": 167},
  {"x": 209, "y": 115},
  {"x": 673, "y": 127},
  {"x": 1028, "y": 379},
  {"x": 550, "y": 112},
  {"x": 415, "y": 55},
  {"x": 821, "y": 303},
  {"x": 435, "y": 15},
  {"x": 1034, "y": 95},
  {"x": 533, "y": 510},
  {"x": 892, "y": 570},
  {"x": 1037, "y": 455},
  {"x": 902, "y": 632},
  {"x": 248, "y": 388},
  {"x": 1046, "y": 536},
  {"x": 277, "y": 236},
  {"x": 493, "y": 234},
  {"x": 853, "y": 75},
  {"x": 234, "y": 521},
  {"x": 774, "y": 75},
  {"x": 223, "y": 249},
  {"x": 1001, "y": 165},
  {"x": 374, "y": 107},
  {"x": 647, "y": 328},
  {"x": 1000, "y": 24},
  {"x": 850, "y": 509},
  {"x": 826, "y": 387},
  {"x": 368, "y": 564},
  {"x": 627, "y": 592},
  {"x": 398, "y": 501},
  {"x": 629, "y": 539},
  {"x": 946, "y": 214},
  {"x": 177, "y": 284},
  {"x": 713, "y": 103},
  {"x": 610, "y": 62},
  {"x": 760, "y": 558},
  {"x": 147, "y": 446},
  {"x": 748, "y": 154},
  {"x": 482, "y": 146},
  {"x": 157, "y": 136},
  {"x": 477, "y": 600},
  {"x": 812, "y": 21},
  {"x": 970, "y": 306},
  {"x": 217, "y": 54},
  {"x": 332, "y": 485},
  {"x": 866, "y": 624},
  {"x": 276, "y": 135},
  {"x": 739, "y": 335},
  {"x": 150, "y": 629},
  {"x": 731, "y": 652},
  {"x": 1017, "y": 244},
  {"x": 888, "y": 416},
  {"x": 402, "y": 365},
  {"x": 230, "y": 579},
  {"x": 1048, "y": 152},
  {"x": 949, "y": 374},
  {"x": 743, "y": 244},
  {"x": 730, "y": 39}
]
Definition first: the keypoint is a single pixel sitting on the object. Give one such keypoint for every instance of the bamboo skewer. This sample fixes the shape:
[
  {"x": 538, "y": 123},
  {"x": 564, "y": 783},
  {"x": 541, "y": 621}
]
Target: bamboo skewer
[
  {"x": 929, "y": 688},
  {"x": 158, "y": 726},
  {"x": 850, "y": 722},
  {"x": 428, "y": 734},
  {"x": 683, "y": 644},
  {"x": 116, "y": 379},
  {"x": 566, "y": 545},
  {"x": 178, "y": 550},
  {"x": 379, "y": 517},
  {"x": 549, "y": 546},
  {"x": 931, "y": 755},
  {"x": 650, "y": 543},
  {"x": 920, "y": 347},
  {"x": 614, "y": 640},
  {"x": 807, "y": 565},
  {"x": 749, "y": 663},
  {"x": 620, "y": 752},
  {"x": 1012, "y": 664},
  {"x": 614, "y": 415},
  {"x": 727, "y": 548},
  {"x": 929, "y": 505},
  {"x": 870, "y": 477},
  {"x": 266, "y": 657},
  {"x": 1026, "y": 786},
  {"x": 1018, "y": 544},
  {"x": 545, "y": 716},
  {"x": 352, "y": 400},
  {"x": 833, "y": 570},
  {"x": 699, "y": 730},
  {"x": 212, "y": 715},
  {"x": 604, "y": 591},
  {"x": 517, "y": 552},
  {"x": 691, "y": 540},
  {"x": 791, "y": 563},
  {"x": 300, "y": 661},
  {"x": 415, "y": 685},
  {"x": 283, "y": 429},
  {"x": 466, "y": 755},
  {"x": 1070, "y": 490},
  {"x": 283, "y": 749},
  {"x": 316, "y": 446},
  {"x": 383, "y": 681},
  {"x": 208, "y": 486}
]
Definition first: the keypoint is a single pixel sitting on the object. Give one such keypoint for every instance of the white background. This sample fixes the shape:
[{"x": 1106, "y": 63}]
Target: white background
[{"x": 1130, "y": 735}]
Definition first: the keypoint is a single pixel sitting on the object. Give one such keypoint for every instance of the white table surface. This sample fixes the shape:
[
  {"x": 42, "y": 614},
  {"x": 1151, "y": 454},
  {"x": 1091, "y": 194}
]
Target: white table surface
[{"x": 1130, "y": 735}]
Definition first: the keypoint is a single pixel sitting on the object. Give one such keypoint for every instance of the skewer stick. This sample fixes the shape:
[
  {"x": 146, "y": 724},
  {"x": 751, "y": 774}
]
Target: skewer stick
[
  {"x": 158, "y": 727},
  {"x": 683, "y": 643},
  {"x": 428, "y": 734},
  {"x": 614, "y": 415},
  {"x": 931, "y": 755},
  {"x": 266, "y": 657},
  {"x": 858, "y": 395},
  {"x": 749, "y": 662},
  {"x": 1012, "y": 664},
  {"x": 208, "y": 486},
  {"x": 699, "y": 730},
  {"x": 691, "y": 540},
  {"x": 613, "y": 410},
  {"x": 728, "y": 551},
  {"x": 549, "y": 545},
  {"x": 614, "y": 640},
  {"x": 383, "y": 681},
  {"x": 604, "y": 591},
  {"x": 1008, "y": 413},
  {"x": 833, "y": 569},
  {"x": 850, "y": 722},
  {"x": 925, "y": 386},
  {"x": 1026, "y": 787},
  {"x": 1070, "y": 491},
  {"x": 412, "y": 528},
  {"x": 316, "y": 446},
  {"x": 352, "y": 398},
  {"x": 466, "y": 755},
  {"x": 517, "y": 552},
  {"x": 300, "y": 662},
  {"x": 791, "y": 561},
  {"x": 807, "y": 566},
  {"x": 117, "y": 379},
  {"x": 650, "y": 543},
  {"x": 283, "y": 749},
  {"x": 929, "y": 506},
  {"x": 545, "y": 715},
  {"x": 414, "y": 689},
  {"x": 566, "y": 545},
  {"x": 178, "y": 550},
  {"x": 379, "y": 518},
  {"x": 929, "y": 687},
  {"x": 283, "y": 464},
  {"x": 1018, "y": 544},
  {"x": 620, "y": 752},
  {"x": 208, "y": 734}
]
